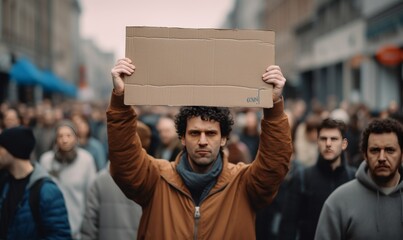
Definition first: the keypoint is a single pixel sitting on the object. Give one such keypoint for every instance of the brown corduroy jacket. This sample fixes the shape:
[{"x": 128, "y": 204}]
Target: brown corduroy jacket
[{"x": 228, "y": 212}]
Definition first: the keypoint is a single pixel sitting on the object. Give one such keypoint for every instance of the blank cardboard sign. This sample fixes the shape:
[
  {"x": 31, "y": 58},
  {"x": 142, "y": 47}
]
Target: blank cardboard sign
[{"x": 199, "y": 67}]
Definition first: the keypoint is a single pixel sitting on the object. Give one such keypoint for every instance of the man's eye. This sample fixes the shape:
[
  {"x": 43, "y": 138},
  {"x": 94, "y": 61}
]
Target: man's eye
[
  {"x": 374, "y": 150},
  {"x": 390, "y": 150}
]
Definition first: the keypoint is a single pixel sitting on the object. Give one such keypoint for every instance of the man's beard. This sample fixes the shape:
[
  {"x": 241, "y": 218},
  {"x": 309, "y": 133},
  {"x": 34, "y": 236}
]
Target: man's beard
[{"x": 383, "y": 180}]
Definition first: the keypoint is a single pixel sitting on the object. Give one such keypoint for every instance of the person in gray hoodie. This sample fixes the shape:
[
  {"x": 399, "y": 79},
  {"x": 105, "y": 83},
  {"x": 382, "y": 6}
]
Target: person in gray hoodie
[
  {"x": 370, "y": 207},
  {"x": 109, "y": 214}
]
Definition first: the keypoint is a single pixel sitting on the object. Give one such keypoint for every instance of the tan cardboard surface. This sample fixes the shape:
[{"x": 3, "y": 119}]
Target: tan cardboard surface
[{"x": 207, "y": 67}]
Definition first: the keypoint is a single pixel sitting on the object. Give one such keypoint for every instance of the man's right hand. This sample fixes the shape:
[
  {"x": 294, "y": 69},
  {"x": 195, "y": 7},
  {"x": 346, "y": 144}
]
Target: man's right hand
[{"x": 122, "y": 68}]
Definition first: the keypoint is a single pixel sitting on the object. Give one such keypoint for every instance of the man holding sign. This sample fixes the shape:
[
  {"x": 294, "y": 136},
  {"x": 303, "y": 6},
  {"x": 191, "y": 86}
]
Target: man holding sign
[{"x": 200, "y": 195}]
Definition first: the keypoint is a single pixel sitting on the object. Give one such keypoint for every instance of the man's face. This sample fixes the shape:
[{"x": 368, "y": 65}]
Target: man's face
[
  {"x": 203, "y": 141},
  {"x": 331, "y": 144},
  {"x": 383, "y": 156},
  {"x": 66, "y": 140},
  {"x": 11, "y": 119},
  {"x": 5, "y": 158},
  {"x": 82, "y": 127},
  {"x": 166, "y": 131}
]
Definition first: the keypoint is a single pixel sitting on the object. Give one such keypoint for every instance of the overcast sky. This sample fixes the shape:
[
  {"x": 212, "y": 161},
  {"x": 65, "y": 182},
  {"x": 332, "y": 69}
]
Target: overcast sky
[{"x": 104, "y": 21}]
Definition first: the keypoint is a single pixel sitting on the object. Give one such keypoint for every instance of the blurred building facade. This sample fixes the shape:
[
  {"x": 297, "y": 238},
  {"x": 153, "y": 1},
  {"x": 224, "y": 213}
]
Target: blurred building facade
[
  {"x": 47, "y": 34},
  {"x": 95, "y": 81},
  {"x": 334, "y": 50},
  {"x": 247, "y": 14},
  {"x": 281, "y": 17},
  {"x": 338, "y": 49}
]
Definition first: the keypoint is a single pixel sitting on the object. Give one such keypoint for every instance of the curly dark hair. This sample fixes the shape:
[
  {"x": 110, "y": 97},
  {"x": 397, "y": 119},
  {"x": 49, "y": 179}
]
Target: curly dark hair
[
  {"x": 330, "y": 123},
  {"x": 378, "y": 126},
  {"x": 219, "y": 114}
]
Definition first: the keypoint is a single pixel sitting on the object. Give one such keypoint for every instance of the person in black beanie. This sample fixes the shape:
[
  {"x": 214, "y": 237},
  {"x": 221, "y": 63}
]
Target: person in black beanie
[{"x": 17, "y": 220}]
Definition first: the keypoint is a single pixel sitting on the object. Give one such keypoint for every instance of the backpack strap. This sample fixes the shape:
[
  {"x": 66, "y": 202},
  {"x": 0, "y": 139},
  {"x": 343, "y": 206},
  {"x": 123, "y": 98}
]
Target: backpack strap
[{"x": 34, "y": 203}]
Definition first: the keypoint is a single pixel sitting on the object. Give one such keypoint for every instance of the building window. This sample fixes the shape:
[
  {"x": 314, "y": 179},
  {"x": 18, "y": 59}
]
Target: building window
[{"x": 356, "y": 79}]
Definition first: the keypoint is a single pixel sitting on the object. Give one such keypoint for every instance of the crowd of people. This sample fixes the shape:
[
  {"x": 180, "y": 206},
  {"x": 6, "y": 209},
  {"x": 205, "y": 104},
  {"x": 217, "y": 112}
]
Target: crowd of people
[{"x": 95, "y": 191}]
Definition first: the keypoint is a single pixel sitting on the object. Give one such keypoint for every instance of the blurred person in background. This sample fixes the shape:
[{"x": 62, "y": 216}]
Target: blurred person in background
[
  {"x": 73, "y": 169},
  {"x": 309, "y": 187},
  {"x": 45, "y": 132},
  {"x": 170, "y": 145},
  {"x": 18, "y": 182},
  {"x": 237, "y": 151},
  {"x": 150, "y": 116},
  {"x": 171, "y": 193},
  {"x": 369, "y": 207},
  {"x": 88, "y": 142},
  {"x": 12, "y": 118},
  {"x": 354, "y": 155},
  {"x": 249, "y": 134},
  {"x": 298, "y": 110},
  {"x": 305, "y": 142},
  {"x": 109, "y": 214},
  {"x": 98, "y": 126},
  {"x": 27, "y": 114},
  {"x": 268, "y": 219}
]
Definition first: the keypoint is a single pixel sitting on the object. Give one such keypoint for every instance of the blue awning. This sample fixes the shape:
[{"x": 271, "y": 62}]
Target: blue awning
[
  {"x": 24, "y": 72},
  {"x": 53, "y": 83}
]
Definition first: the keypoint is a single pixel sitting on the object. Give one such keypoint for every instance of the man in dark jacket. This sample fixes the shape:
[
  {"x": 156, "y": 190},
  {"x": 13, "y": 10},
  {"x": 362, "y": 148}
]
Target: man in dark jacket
[
  {"x": 311, "y": 186},
  {"x": 17, "y": 219}
]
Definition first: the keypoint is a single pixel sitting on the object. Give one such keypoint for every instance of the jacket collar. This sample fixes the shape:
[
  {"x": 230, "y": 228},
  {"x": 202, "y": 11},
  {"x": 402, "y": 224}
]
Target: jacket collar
[{"x": 325, "y": 166}]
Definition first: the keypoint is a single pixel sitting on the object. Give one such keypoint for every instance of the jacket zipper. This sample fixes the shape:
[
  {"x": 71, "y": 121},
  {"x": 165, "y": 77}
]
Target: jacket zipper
[
  {"x": 197, "y": 208},
  {"x": 197, "y": 217},
  {"x": 197, "y": 213}
]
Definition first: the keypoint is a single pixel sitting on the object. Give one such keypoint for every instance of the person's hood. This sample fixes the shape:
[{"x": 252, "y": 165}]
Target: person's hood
[
  {"x": 364, "y": 178},
  {"x": 38, "y": 173}
]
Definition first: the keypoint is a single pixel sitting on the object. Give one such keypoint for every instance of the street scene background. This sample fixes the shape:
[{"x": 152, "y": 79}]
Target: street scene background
[{"x": 341, "y": 58}]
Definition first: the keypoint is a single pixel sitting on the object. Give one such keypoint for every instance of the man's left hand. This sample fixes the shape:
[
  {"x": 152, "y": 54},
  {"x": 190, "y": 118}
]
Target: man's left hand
[{"x": 274, "y": 76}]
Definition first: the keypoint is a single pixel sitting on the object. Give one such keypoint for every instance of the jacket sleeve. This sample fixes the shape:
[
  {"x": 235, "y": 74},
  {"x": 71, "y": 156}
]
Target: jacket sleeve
[
  {"x": 272, "y": 159},
  {"x": 131, "y": 167},
  {"x": 53, "y": 212},
  {"x": 90, "y": 226}
]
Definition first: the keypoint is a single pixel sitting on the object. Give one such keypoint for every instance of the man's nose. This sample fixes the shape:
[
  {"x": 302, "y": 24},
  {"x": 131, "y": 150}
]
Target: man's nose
[
  {"x": 382, "y": 155},
  {"x": 203, "y": 139}
]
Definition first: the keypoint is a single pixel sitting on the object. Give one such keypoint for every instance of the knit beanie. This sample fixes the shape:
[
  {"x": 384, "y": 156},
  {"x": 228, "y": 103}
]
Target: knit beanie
[
  {"x": 18, "y": 141},
  {"x": 66, "y": 123}
]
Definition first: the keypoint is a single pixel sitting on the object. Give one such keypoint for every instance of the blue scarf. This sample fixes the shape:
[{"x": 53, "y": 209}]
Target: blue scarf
[{"x": 199, "y": 184}]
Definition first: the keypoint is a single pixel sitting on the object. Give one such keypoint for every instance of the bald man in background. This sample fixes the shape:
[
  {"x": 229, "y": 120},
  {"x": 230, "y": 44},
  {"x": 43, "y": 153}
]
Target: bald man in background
[{"x": 170, "y": 145}]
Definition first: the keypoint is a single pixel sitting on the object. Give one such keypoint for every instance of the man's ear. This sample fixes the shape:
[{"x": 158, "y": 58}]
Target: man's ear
[
  {"x": 183, "y": 141},
  {"x": 223, "y": 141},
  {"x": 344, "y": 144}
]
